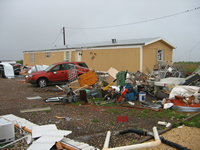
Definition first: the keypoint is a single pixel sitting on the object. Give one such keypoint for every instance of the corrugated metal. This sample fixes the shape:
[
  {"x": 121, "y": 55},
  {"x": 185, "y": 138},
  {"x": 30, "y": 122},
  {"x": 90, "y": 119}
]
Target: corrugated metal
[
  {"x": 79, "y": 145},
  {"x": 45, "y": 142},
  {"x": 48, "y": 139}
]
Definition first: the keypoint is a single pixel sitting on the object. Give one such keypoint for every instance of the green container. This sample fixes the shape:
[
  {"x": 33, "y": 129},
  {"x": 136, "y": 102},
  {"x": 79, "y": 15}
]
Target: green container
[{"x": 121, "y": 77}]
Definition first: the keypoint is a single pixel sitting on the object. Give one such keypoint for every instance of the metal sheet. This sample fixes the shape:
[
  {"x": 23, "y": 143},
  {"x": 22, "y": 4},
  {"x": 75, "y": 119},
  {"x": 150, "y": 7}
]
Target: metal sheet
[
  {"x": 47, "y": 140},
  {"x": 186, "y": 109}
]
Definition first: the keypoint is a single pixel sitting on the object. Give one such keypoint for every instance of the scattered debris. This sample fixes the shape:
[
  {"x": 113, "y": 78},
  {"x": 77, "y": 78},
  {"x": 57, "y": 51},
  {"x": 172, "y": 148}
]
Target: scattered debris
[
  {"x": 122, "y": 119},
  {"x": 37, "y": 68},
  {"x": 33, "y": 110},
  {"x": 88, "y": 78},
  {"x": 6, "y": 70},
  {"x": 53, "y": 99},
  {"x": 34, "y": 97},
  {"x": 166, "y": 124},
  {"x": 131, "y": 103},
  {"x": 67, "y": 118},
  {"x": 48, "y": 135}
]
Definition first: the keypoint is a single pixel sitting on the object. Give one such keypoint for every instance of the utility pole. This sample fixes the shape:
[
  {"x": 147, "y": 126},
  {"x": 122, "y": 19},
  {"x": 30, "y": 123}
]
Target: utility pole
[{"x": 64, "y": 35}]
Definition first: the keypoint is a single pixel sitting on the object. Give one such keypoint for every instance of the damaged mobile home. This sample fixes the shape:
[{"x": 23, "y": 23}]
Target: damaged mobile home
[{"x": 132, "y": 54}]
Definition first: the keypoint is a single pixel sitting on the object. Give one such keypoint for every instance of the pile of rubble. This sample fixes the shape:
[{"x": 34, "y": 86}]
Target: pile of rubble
[{"x": 166, "y": 84}]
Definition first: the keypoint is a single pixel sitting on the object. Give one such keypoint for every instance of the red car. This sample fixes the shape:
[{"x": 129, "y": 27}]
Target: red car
[{"x": 58, "y": 72}]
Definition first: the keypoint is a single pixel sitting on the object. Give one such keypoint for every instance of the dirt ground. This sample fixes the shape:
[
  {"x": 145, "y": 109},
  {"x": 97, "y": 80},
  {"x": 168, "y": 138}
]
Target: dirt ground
[{"x": 88, "y": 123}]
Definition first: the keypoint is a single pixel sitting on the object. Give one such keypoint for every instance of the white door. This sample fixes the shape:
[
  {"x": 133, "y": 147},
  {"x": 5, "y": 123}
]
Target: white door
[{"x": 78, "y": 55}]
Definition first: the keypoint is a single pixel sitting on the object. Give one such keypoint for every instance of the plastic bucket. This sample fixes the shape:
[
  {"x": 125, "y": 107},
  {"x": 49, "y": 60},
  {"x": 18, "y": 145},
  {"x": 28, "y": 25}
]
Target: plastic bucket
[{"x": 142, "y": 96}]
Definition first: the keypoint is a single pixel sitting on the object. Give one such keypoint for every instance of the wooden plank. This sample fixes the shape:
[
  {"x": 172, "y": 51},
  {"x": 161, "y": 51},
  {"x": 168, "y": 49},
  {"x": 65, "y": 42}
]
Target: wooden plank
[
  {"x": 59, "y": 146},
  {"x": 33, "y": 110}
]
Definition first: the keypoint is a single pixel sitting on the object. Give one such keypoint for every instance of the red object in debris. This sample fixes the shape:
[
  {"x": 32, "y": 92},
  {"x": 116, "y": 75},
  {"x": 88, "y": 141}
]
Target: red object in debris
[
  {"x": 177, "y": 102},
  {"x": 122, "y": 119},
  {"x": 122, "y": 94}
]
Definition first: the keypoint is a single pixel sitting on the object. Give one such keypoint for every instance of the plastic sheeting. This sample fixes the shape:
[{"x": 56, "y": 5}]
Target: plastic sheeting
[
  {"x": 37, "y": 68},
  {"x": 184, "y": 91},
  {"x": 8, "y": 70}
]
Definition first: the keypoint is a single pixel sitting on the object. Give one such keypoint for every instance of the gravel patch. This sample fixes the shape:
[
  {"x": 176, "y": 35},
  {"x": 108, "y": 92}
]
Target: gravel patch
[{"x": 88, "y": 123}]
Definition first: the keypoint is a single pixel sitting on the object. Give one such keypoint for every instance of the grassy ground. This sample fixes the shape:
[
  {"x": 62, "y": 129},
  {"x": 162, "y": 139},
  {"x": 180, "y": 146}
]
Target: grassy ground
[{"x": 190, "y": 66}]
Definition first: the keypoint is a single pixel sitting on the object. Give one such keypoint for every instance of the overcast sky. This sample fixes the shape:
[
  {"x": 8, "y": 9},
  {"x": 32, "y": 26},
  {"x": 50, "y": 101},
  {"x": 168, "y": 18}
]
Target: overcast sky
[{"x": 37, "y": 24}]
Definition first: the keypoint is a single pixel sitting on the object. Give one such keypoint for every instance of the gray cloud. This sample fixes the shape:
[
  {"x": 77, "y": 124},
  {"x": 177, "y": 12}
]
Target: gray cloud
[{"x": 34, "y": 24}]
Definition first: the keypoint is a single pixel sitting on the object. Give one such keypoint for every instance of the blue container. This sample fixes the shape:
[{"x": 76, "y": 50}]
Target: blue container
[{"x": 132, "y": 94}]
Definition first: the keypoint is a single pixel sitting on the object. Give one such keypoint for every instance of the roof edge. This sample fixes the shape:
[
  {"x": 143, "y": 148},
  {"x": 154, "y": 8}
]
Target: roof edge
[{"x": 158, "y": 39}]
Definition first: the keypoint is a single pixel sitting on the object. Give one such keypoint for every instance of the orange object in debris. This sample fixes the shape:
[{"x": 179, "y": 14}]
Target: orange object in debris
[
  {"x": 122, "y": 94},
  {"x": 88, "y": 78}
]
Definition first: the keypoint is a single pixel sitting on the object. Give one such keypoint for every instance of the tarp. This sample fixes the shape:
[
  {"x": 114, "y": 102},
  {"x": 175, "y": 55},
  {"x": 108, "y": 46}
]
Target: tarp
[
  {"x": 8, "y": 70},
  {"x": 37, "y": 68},
  {"x": 184, "y": 91}
]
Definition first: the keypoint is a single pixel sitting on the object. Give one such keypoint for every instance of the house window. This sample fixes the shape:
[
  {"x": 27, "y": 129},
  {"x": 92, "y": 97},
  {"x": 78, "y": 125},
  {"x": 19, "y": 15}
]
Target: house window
[
  {"x": 160, "y": 55},
  {"x": 32, "y": 57},
  {"x": 47, "y": 54},
  {"x": 67, "y": 55}
]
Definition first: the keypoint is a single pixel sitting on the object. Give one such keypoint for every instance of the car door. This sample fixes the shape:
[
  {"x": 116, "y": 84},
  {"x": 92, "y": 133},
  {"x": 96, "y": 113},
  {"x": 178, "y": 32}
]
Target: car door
[{"x": 58, "y": 73}]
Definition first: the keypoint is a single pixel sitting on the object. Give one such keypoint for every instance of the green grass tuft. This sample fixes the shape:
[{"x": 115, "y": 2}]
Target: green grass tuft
[{"x": 95, "y": 120}]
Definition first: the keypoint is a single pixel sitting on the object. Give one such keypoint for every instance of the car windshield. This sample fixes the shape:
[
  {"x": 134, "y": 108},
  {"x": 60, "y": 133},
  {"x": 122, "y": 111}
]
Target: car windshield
[
  {"x": 83, "y": 65},
  {"x": 48, "y": 68}
]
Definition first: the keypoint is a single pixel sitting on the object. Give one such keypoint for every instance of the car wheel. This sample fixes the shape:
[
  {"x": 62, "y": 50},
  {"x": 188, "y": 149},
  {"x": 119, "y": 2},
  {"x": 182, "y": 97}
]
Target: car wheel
[{"x": 42, "y": 82}]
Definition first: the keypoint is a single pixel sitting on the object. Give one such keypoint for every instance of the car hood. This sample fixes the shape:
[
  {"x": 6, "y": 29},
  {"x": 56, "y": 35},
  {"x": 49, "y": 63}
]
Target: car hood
[{"x": 38, "y": 72}]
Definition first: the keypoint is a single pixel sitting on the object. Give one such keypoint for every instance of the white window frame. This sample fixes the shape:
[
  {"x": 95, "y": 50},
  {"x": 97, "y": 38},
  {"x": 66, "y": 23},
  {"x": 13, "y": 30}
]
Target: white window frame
[
  {"x": 67, "y": 55},
  {"x": 47, "y": 54},
  {"x": 32, "y": 57},
  {"x": 160, "y": 55}
]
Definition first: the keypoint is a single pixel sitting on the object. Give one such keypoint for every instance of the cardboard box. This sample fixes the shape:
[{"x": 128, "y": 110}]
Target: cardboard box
[{"x": 112, "y": 76}]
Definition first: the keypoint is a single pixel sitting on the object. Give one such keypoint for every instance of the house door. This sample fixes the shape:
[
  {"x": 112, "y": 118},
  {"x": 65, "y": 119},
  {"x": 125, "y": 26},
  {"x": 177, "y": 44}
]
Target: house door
[{"x": 78, "y": 55}]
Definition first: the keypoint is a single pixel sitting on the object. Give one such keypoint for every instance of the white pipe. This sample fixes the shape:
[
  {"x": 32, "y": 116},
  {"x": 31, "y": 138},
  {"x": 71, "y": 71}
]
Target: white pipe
[
  {"x": 141, "y": 58},
  {"x": 143, "y": 145},
  {"x": 162, "y": 123},
  {"x": 106, "y": 143}
]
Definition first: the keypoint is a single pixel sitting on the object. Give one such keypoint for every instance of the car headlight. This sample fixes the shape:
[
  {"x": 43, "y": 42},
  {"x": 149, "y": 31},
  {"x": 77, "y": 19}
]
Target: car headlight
[{"x": 30, "y": 76}]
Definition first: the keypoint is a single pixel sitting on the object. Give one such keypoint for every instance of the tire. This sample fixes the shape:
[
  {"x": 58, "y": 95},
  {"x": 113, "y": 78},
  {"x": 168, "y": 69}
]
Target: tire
[
  {"x": 42, "y": 82},
  {"x": 108, "y": 98}
]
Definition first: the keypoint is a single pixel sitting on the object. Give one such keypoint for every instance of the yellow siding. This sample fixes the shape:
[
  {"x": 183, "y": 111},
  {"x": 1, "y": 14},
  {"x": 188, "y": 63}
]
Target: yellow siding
[
  {"x": 120, "y": 59},
  {"x": 150, "y": 54},
  {"x": 73, "y": 56},
  {"x": 27, "y": 59},
  {"x": 40, "y": 58}
]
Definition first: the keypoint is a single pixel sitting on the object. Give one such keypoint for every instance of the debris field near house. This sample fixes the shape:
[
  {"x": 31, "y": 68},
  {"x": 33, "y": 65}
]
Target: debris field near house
[{"x": 100, "y": 101}]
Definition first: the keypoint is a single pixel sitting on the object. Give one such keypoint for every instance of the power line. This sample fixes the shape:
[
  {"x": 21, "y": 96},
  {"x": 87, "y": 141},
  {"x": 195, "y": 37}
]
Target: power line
[
  {"x": 57, "y": 36},
  {"x": 192, "y": 49},
  {"x": 138, "y": 21},
  {"x": 189, "y": 51}
]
